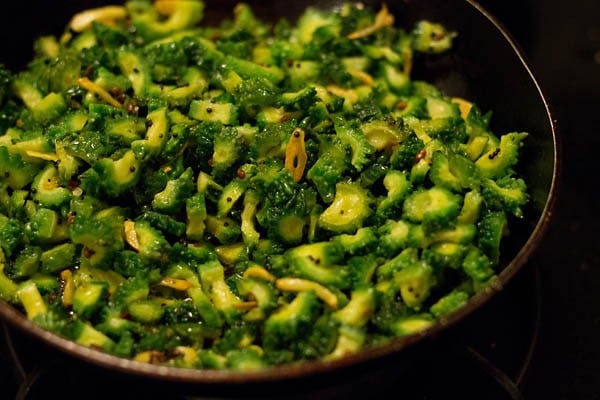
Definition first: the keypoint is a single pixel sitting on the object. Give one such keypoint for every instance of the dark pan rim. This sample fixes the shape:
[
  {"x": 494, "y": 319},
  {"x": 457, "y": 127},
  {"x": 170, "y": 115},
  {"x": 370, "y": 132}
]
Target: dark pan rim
[{"x": 310, "y": 368}]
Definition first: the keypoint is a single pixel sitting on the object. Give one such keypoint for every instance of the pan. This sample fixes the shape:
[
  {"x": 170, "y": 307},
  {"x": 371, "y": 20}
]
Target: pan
[{"x": 486, "y": 66}]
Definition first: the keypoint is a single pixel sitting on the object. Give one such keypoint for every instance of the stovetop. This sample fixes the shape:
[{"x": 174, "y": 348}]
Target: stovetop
[{"x": 538, "y": 339}]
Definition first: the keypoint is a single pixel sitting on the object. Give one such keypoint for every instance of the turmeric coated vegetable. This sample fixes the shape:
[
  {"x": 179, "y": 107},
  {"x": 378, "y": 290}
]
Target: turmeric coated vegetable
[
  {"x": 94, "y": 88},
  {"x": 300, "y": 285},
  {"x": 246, "y": 194},
  {"x": 382, "y": 19}
]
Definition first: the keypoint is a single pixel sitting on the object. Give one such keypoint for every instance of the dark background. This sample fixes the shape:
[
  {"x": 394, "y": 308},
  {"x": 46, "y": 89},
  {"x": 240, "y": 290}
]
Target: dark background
[{"x": 561, "y": 41}]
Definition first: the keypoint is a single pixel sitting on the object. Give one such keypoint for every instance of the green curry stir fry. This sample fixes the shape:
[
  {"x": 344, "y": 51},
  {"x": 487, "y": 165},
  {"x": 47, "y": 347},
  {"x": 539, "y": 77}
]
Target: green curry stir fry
[{"x": 245, "y": 194}]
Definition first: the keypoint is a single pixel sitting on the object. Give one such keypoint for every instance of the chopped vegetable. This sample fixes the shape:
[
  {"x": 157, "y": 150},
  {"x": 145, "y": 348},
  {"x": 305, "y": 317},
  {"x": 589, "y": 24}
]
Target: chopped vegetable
[{"x": 245, "y": 194}]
